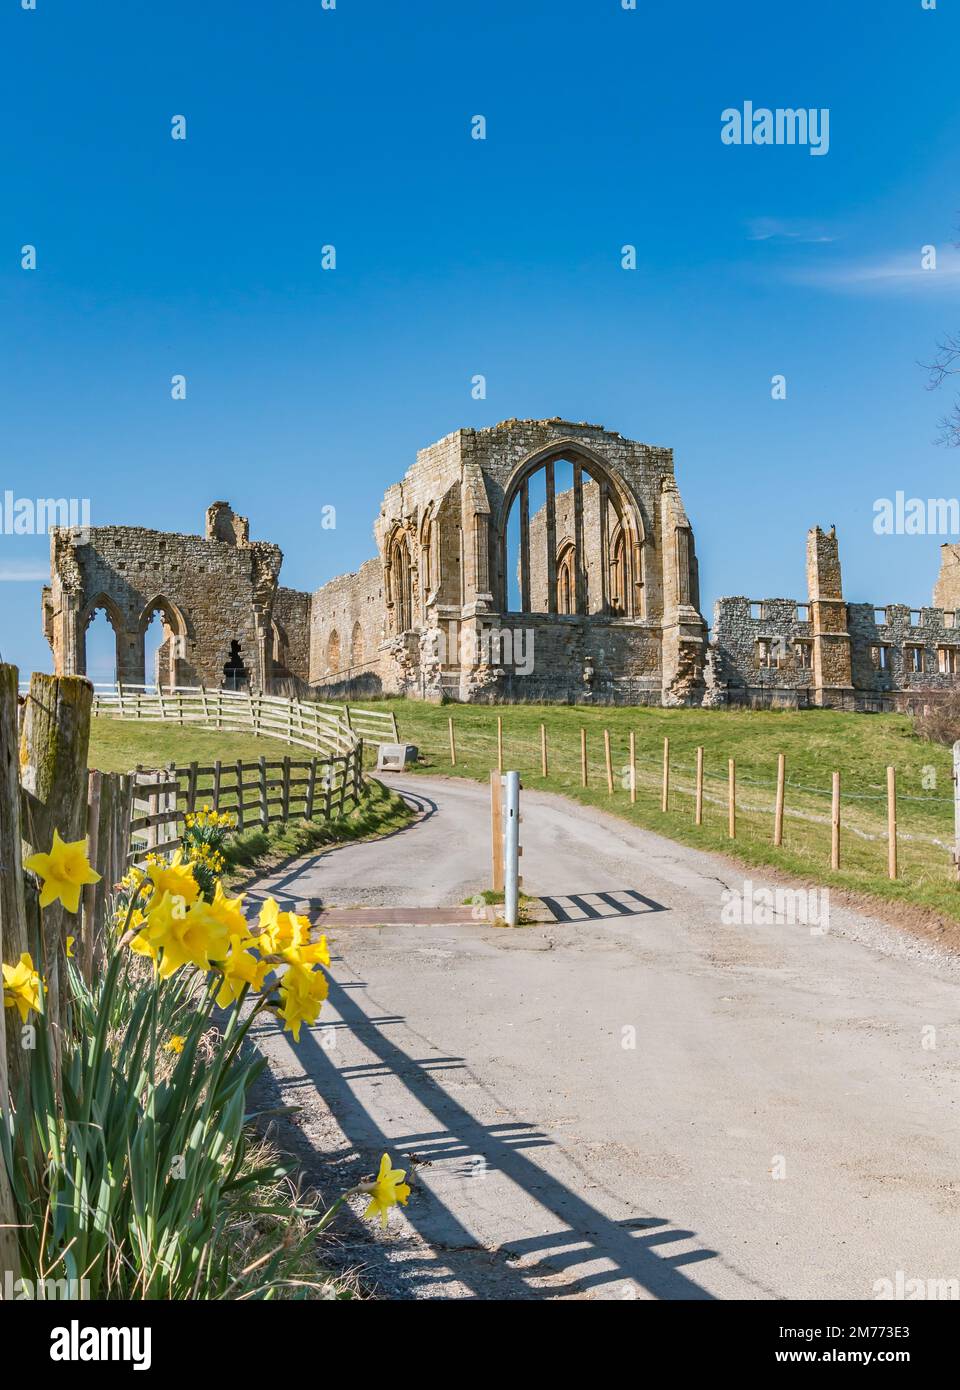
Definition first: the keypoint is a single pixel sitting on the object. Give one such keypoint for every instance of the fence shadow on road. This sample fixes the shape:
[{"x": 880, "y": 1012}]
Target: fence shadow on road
[
  {"x": 607, "y": 909},
  {"x": 584, "y": 1235}
]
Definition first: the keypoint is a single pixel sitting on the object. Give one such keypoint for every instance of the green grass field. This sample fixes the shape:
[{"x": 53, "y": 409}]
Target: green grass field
[
  {"x": 814, "y": 742},
  {"x": 120, "y": 745}
]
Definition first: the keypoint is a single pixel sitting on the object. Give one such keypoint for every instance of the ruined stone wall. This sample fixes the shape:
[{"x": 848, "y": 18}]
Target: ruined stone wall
[
  {"x": 291, "y": 626},
  {"x": 762, "y": 643},
  {"x": 409, "y": 619},
  {"x": 209, "y": 592},
  {"x": 346, "y": 631},
  {"x": 855, "y": 649}
]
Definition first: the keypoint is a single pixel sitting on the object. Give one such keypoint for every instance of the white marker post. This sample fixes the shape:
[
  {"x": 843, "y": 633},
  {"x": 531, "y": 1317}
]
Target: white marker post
[{"x": 511, "y": 856}]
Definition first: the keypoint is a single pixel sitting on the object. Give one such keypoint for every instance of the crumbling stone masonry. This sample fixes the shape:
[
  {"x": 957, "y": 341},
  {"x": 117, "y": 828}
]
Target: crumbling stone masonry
[
  {"x": 832, "y": 653},
  {"x": 217, "y": 595},
  {"x": 605, "y": 603},
  {"x": 538, "y": 559}
]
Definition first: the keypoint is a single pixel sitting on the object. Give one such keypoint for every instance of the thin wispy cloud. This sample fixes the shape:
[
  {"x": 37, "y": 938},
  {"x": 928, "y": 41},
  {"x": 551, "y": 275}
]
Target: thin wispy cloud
[
  {"x": 775, "y": 229},
  {"x": 903, "y": 273}
]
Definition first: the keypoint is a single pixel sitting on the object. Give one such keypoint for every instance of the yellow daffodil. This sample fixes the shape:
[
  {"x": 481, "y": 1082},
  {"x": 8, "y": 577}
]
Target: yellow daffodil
[
  {"x": 175, "y": 878},
  {"x": 21, "y": 986},
  {"x": 63, "y": 872},
  {"x": 229, "y": 911},
  {"x": 285, "y": 934},
  {"x": 302, "y": 993},
  {"x": 174, "y": 1044},
  {"x": 240, "y": 968},
  {"x": 177, "y": 935},
  {"x": 388, "y": 1189},
  {"x": 71, "y": 942}
]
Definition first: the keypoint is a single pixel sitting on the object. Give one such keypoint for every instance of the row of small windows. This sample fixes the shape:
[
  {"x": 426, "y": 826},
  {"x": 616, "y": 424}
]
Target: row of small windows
[
  {"x": 915, "y": 660},
  {"x": 771, "y": 652}
]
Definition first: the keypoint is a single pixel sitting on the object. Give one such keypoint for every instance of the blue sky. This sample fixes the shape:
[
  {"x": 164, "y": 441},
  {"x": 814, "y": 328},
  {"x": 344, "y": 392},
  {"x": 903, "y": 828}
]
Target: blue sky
[{"x": 308, "y": 388}]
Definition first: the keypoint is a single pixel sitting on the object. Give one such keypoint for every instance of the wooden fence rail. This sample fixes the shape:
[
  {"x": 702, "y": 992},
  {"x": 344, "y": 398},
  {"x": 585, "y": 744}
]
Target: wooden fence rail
[
  {"x": 320, "y": 728},
  {"x": 259, "y": 793}
]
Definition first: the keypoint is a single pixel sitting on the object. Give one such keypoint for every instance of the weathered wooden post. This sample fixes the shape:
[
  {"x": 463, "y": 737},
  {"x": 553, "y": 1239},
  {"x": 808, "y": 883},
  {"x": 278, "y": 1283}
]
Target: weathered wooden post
[
  {"x": 543, "y": 750},
  {"x": 778, "y": 807},
  {"x": 14, "y": 1065},
  {"x": 608, "y": 761},
  {"x": 731, "y": 798},
  {"x": 583, "y": 756},
  {"x": 453, "y": 742},
  {"x": 496, "y": 830},
  {"x": 90, "y": 891},
  {"x": 698, "y": 804},
  {"x": 633, "y": 767},
  {"x": 264, "y": 808},
  {"x": 892, "y": 814},
  {"x": 54, "y": 744},
  {"x": 665, "y": 790},
  {"x": 500, "y": 742}
]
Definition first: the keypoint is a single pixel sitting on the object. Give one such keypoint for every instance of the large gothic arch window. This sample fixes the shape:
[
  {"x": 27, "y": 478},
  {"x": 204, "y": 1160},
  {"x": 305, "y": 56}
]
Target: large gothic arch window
[{"x": 570, "y": 541}]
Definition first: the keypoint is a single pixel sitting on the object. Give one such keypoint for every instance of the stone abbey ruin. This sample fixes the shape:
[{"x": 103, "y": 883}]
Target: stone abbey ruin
[{"x": 537, "y": 559}]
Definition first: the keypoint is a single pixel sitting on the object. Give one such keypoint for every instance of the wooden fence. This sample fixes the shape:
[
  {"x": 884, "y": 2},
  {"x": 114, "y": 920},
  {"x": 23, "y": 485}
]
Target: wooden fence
[
  {"x": 321, "y": 728},
  {"x": 258, "y": 793},
  {"x": 903, "y": 824}
]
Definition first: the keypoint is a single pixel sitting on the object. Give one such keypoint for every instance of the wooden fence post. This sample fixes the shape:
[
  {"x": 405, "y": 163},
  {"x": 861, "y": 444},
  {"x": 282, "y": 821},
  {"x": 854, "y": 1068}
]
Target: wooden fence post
[
  {"x": 665, "y": 792},
  {"x": 453, "y": 743},
  {"x": 216, "y": 784},
  {"x": 500, "y": 742},
  {"x": 396, "y": 731},
  {"x": 543, "y": 750},
  {"x": 892, "y": 812},
  {"x": 835, "y": 824},
  {"x": 583, "y": 756},
  {"x": 731, "y": 798},
  {"x": 239, "y": 794},
  {"x": 285, "y": 790},
  {"x": 698, "y": 804},
  {"x": 192, "y": 788},
  {"x": 264, "y": 808},
  {"x": 311, "y": 789},
  {"x": 55, "y": 741},
  {"x": 14, "y": 937},
  {"x": 633, "y": 767},
  {"x": 607, "y": 761},
  {"x": 778, "y": 808},
  {"x": 90, "y": 894},
  {"x": 496, "y": 830}
]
